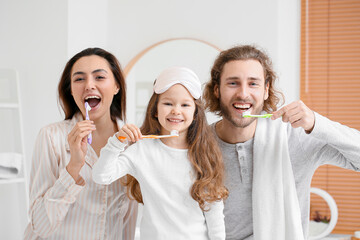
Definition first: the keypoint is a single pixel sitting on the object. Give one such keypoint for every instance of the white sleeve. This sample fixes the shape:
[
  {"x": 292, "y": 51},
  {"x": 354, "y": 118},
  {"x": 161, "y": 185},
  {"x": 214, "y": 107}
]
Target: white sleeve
[
  {"x": 215, "y": 221},
  {"x": 343, "y": 142},
  {"x": 52, "y": 190},
  {"x": 111, "y": 165}
]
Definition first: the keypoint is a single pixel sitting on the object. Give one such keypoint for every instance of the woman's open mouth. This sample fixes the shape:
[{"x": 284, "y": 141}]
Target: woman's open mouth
[{"x": 93, "y": 101}]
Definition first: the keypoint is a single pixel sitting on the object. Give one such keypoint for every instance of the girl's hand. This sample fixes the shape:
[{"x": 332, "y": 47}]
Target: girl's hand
[
  {"x": 298, "y": 114},
  {"x": 77, "y": 139},
  {"x": 130, "y": 132}
]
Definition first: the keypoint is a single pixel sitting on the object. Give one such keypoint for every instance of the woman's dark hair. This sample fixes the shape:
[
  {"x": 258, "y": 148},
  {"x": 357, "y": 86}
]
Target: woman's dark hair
[{"x": 67, "y": 102}]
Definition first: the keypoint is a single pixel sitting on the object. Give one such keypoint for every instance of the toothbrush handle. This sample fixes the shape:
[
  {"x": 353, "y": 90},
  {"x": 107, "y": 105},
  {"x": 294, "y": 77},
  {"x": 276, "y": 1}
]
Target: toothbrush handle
[
  {"x": 89, "y": 138},
  {"x": 258, "y": 116},
  {"x": 150, "y": 136},
  {"x": 144, "y": 136}
]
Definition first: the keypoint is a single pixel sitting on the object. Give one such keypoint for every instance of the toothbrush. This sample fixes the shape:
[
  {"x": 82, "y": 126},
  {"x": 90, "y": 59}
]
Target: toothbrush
[
  {"x": 248, "y": 114},
  {"x": 88, "y": 108},
  {"x": 173, "y": 133}
]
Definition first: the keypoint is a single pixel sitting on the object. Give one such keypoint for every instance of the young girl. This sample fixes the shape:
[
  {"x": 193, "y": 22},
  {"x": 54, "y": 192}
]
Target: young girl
[{"x": 181, "y": 178}]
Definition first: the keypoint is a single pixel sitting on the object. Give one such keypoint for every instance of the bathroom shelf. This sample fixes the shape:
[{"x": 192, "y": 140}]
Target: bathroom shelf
[
  {"x": 9, "y": 105},
  {"x": 12, "y": 180},
  {"x": 14, "y": 200}
]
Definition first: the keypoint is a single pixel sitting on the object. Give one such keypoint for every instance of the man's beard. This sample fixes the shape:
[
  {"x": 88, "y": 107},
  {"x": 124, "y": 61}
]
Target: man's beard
[{"x": 238, "y": 120}]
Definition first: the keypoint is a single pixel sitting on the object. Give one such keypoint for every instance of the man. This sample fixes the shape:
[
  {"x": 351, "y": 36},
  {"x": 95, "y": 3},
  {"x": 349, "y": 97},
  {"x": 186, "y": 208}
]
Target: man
[{"x": 242, "y": 79}]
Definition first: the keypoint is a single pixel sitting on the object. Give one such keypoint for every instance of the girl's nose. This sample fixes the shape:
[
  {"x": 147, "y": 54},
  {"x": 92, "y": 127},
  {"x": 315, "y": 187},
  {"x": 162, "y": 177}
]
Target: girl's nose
[{"x": 175, "y": 110}]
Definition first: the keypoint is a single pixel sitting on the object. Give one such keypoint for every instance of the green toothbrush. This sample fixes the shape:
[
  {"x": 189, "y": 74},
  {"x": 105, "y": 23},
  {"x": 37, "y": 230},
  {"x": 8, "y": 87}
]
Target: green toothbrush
[{"x": 248, "y": 115}]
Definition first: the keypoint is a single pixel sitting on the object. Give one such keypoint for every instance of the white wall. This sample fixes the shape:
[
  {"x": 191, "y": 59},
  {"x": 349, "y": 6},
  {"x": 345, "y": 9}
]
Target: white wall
[
  {"x": 288, "y": 48},
  {"x": 39, "y": 36},
  {"x": 33, "y": 40},
  {"x": 272, "y": 25},
  {"x": 87, "y": 25}
]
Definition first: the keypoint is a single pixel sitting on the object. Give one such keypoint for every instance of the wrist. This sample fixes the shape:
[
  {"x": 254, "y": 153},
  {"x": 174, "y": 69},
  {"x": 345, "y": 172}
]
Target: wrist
[{"x": 74, "y": 170}]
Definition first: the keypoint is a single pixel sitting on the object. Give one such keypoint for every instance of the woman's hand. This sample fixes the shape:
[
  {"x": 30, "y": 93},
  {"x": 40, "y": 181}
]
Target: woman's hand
[
  {"x": 77, "y": 139},
  {"x": 130, "y": 132}
]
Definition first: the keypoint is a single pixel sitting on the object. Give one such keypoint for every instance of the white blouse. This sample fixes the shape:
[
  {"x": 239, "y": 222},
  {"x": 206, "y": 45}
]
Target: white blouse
[{"x": 61, "y": 209}]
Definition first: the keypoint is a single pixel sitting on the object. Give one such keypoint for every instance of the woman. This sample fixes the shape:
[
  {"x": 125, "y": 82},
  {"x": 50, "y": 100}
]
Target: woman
[{"x": 64, "y": 201}]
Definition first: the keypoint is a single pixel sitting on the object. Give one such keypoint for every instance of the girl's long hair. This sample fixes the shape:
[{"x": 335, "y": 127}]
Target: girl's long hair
[{"x": 203, "y": 153}]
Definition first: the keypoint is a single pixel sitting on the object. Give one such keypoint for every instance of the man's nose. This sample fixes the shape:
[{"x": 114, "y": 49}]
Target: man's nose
[{"x": 242, "y": 92}]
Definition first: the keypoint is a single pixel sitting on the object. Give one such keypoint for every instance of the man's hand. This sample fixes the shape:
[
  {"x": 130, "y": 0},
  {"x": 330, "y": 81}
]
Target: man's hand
[{"x": 297, "y": 114}]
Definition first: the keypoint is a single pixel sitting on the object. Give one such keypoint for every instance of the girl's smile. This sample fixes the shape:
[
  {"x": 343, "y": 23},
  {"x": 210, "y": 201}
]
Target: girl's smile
[{"x": 176, "y": 109}]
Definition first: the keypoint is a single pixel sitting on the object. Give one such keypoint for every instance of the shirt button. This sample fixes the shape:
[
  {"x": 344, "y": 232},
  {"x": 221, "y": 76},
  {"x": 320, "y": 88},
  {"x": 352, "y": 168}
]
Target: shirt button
[
  {"x": 244, "y": 171},
  {"x": 238, "y": 147},
  {"x": 242, "y": 158}
]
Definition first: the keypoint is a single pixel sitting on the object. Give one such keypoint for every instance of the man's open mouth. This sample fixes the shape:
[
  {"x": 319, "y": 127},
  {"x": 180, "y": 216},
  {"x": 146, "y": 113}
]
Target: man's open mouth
[{"x": 242, "y": 106}]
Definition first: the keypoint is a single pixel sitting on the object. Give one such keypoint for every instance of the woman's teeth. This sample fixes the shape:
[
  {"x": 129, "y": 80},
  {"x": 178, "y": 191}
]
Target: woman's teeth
[
  {"x": 89, "y": 97},
  {"x": 93, "y": 100}
]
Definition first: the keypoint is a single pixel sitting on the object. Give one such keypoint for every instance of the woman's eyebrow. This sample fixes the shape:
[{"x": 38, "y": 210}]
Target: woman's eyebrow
[
  {"x": 99, "y": 70},
  {"x": 78, "y": 73},
  {"x": 95, "y": 71}
]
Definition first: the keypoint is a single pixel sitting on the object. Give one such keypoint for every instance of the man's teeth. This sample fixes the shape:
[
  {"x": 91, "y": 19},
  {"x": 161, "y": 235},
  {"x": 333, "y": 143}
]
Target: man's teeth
[{"x": 242, "y": 106}]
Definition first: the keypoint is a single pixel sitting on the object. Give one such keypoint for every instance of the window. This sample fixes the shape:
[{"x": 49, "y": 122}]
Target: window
[{"x": 330, "y": 85}]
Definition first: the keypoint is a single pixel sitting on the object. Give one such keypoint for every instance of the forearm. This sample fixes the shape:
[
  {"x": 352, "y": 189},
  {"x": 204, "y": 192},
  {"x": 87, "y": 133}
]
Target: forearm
[
  {"x": 74, "y": 171},
  {"x": 215, "y": 221},
  {"x": 345, "y": 140},
  {"x": 107, "y": 169}
]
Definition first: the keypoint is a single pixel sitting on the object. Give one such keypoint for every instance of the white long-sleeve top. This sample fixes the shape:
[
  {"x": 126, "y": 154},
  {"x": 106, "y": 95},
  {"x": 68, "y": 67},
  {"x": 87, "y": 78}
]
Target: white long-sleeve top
[
  {"x": 61, "y": 209},
  {"x": 165, "y": 175}
]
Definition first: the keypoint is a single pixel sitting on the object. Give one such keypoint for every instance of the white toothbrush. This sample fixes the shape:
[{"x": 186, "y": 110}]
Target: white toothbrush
[
  {"x": 248, "y": 114},
  {"x": 88, "y": 108},
  {"x": 173, "y": 133}
]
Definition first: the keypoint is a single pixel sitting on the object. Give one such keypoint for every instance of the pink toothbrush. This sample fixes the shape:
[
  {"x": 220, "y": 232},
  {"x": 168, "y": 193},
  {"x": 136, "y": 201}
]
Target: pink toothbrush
[{"x": 88, "y": 108}]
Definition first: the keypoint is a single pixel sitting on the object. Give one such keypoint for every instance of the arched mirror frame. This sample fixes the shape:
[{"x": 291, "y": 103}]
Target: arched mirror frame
[
  {"x": 136, "y": 84},
  {"x": 134, "y": 60}
]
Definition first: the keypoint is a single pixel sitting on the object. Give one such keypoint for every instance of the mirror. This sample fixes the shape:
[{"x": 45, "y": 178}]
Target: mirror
[
  {"x": 320, "y": 229},
  {"x": 142, "y": 70}
]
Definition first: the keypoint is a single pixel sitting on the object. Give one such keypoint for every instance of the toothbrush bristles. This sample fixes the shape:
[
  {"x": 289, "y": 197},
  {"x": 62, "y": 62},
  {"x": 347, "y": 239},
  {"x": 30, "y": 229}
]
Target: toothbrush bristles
[
  {"x": 174, "y": 132},
  {"x": 87, "y": 106},
  {"x": 246, "y": 113}
]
